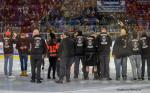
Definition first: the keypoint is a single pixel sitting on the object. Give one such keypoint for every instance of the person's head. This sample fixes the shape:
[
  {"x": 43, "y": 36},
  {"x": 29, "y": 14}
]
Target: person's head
[
  {"x": 103, "y": 30},
  {"x": 52, "y": 36},
  {"x": 36, "y": 32},
  {"x": 8, "y": 29},
  {"x": 7, "y": 33},
  {"x": 65, "y": 35},
  {"x": 23, "y": 35},
  {"x": 49, "y": 30},
  {"x": 79, "y": 33},
  {"x": 14, "y": 35},
  {"x": 71, "y": 29},
  {"x": 123, "y": 32},
  {"x": 61, "y": 36},
  {"x": 121, "y": 23}
]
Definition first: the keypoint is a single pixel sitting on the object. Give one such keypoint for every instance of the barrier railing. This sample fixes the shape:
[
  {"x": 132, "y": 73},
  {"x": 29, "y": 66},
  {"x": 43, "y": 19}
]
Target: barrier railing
[{"x": 62, "y": 26}]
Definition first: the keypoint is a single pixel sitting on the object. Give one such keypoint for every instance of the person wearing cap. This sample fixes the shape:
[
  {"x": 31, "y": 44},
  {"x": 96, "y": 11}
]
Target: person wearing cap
[
  {"x": 66, "y": 53},
  {"x": 8, "y": 53},
  {"x": 103, "y": 43},
  {"x": 38, "y": 49},
  {"x": 23, "y": 46}
]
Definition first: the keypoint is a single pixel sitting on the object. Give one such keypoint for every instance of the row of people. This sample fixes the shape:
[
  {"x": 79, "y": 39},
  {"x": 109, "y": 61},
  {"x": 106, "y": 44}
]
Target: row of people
[
  {"x": 91, "y": 50},
  {"x": 95, "y": 51}
]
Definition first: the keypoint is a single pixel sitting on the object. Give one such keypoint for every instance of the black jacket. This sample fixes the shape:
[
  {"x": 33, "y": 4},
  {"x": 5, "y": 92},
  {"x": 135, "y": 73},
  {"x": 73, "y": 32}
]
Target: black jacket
[
  {"x": 90, "y": 45},
  {"x": 38, "y": 45},
  {"x": 135, "y": 47},
  {"x": 103, "y": 43},
  {"x": 66, "y": 48},
  {"x": 121, "y": 47},
  {"x": 8, "y": 45},
  {"x": 23, "y": 45},
  {"x": 79, "y": 45},
  {"x": 145, "y": 44}
]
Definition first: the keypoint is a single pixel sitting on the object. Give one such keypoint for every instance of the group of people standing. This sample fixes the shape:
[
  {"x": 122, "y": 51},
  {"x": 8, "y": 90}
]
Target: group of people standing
[
  {"x": 35, "y": 46},
  {"x": 135, "y": 47},
  {"x": 90, "y": 50},
  {"x": 95, "y": 50}
]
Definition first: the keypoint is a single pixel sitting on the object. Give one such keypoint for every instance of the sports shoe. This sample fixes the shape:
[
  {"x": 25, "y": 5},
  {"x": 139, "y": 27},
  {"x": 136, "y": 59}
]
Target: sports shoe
[
  {"x": 25, "y": 74},
  {"x": 59, "y": 81},
  {"x": 32, "y": 80},
  {"x": 39, "y": 81},
  {"x": 22, "y": 73}
]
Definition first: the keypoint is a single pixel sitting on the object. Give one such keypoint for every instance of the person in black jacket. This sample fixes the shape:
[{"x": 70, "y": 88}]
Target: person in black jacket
[
  {"x": 8, "y": 53},
  {"x": 135, "y": 57},
  {"x": 23, "y": 46},
  {"x": 120, "y": 53},
  {"x": 53, "y": 55},
  {"x": 58, "y": 60},
  {"x": 90, "y": 56},
  {"x": 145, "y": 42},
  {"x": 104, "y": 42},
  {"x": 66, "y": 53},
  {"x": 38, "y": 49},
  {"x": 79, "y": 53}
]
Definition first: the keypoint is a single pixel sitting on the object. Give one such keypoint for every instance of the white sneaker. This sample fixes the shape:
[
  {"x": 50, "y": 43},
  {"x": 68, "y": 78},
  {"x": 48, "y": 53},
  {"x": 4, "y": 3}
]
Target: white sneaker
[{"x": 11, "y": 77}]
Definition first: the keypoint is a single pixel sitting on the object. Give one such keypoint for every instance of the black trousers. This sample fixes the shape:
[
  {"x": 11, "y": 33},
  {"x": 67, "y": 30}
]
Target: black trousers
[
  {"x": 104, "y": 65},
  {"x": 58, "y": 68},
  {"x": 77, "y": 64},
  {"x": 98, "y": 70},
  {"x": 52, "y": 65},
  {"x": 36, "y": 61},
  {"x": 144, "y": 59},
  {"x": 65, "y": 65},
  {"x": 85, "y": 73}
]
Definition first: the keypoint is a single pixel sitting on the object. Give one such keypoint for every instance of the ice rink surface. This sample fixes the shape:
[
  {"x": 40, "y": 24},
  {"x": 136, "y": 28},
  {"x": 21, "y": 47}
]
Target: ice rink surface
[{"x": 22, "y": 84}]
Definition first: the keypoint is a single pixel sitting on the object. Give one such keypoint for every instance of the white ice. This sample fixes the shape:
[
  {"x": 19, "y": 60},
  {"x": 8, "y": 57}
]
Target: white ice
[{"x": 22, "y": 85}]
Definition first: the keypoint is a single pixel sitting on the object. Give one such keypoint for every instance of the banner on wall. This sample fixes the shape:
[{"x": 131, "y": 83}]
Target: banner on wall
[{"x": 111, "y": 5}]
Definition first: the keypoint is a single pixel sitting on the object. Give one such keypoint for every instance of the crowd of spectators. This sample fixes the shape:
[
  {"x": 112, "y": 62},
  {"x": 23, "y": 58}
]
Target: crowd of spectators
[
  {"x": 23, "y": 12},
  {"x": 140, "y": 10},
  {"x": 57, "y": 12}
]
